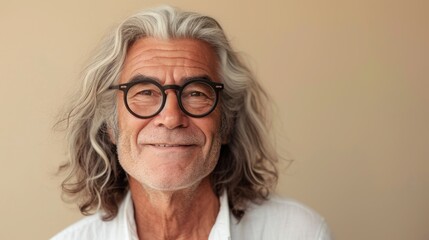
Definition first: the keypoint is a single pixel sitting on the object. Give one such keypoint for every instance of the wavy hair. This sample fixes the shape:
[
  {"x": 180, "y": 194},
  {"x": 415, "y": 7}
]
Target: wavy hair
[{"x": 246, "y": 168}]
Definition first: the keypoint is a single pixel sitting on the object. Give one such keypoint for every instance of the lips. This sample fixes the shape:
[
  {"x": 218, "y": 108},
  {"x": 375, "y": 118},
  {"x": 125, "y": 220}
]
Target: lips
[{"x": 170, "y": 145}]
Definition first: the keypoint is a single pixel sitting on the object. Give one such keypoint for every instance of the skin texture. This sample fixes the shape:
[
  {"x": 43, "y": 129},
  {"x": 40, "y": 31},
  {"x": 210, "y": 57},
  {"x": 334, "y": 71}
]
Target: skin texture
[{"x": 170, "y": 156}]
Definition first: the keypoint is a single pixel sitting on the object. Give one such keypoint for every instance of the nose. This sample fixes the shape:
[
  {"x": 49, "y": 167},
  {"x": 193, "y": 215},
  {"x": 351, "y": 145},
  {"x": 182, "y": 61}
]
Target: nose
[{"x": 171, "y": 116}]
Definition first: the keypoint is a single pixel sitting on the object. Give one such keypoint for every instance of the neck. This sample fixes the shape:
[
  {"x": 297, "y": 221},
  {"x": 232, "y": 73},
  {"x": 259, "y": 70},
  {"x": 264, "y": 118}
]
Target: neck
[{"x": 182, "y": 214}]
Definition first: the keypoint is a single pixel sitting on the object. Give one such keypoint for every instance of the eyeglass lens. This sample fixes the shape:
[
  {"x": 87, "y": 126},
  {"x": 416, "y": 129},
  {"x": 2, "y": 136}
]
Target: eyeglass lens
[{"x": 146, "y": 99}]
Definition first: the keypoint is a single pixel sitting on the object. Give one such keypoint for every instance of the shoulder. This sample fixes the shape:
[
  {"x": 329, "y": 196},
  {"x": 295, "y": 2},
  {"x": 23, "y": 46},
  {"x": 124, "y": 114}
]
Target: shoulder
[
  {"x": 286, "y": 209},
  {"x": 94, "y": 227},
  {"x": 85, "y": 228},
  {"x": 280, "y": 218}
]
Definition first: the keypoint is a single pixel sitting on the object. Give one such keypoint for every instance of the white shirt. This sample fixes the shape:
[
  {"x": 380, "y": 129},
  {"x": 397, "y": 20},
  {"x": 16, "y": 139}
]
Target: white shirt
[{"x": 276, "y": 218}]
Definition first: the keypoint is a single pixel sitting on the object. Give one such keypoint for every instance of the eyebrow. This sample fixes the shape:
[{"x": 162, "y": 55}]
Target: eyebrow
[{"x": 141, "y": 77}]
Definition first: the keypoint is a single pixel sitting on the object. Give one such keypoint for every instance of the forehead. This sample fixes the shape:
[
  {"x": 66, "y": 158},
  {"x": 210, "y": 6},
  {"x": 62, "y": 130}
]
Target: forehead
[{"x": 170, "y": 60}]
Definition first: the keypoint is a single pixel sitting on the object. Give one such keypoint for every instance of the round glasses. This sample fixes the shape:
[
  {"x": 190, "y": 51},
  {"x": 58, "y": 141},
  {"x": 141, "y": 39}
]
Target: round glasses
[{"x": 145, "y": 98}]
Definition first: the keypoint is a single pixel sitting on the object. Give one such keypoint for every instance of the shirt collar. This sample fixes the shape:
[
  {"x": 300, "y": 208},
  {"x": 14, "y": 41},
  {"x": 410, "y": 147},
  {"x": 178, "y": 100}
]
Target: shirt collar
[
  {"x": 129, "y": 223},
  {"x": 221, "y": 228}
]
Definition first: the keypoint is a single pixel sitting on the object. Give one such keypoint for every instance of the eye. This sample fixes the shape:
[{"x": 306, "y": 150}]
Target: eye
[
  {"x": 198, "y": 91},
  {"x": 146, "y": 92},
  {"x": 196, "y": 94}
]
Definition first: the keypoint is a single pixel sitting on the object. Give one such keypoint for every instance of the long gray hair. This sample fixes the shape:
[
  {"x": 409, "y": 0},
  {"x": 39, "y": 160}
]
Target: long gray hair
[{"x": 246, "y": 168}]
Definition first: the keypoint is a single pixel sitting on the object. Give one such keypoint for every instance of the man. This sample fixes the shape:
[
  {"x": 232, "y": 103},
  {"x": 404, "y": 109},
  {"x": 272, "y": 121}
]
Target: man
[{"x": 168, "y": 140}]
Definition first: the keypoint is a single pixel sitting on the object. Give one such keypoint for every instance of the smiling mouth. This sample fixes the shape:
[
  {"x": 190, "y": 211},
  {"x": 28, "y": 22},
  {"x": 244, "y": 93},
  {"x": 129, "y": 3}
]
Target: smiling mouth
[{"x": 171, "y": 145}]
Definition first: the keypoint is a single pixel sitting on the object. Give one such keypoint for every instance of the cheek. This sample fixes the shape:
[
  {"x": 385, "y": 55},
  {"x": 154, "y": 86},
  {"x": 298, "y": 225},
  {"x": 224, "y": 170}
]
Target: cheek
[
  {"x": 211, "y": 130},
  {"x": 122, "y": 115},
  {"x": 128, "y": 149},
  {"x": 129, "y": 128},
  {"x": 127, "y": 121}
]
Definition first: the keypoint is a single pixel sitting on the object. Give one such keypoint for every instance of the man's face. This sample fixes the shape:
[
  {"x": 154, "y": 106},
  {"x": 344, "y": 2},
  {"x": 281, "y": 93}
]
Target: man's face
[{"x": 171, "y": 150}]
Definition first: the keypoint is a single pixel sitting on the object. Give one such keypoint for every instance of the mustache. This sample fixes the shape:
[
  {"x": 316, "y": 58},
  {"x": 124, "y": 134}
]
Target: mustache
[{"x": 176, "y": 136}]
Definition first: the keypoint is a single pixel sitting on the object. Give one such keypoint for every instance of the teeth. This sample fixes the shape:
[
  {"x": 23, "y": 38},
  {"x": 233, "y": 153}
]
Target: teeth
[{"x": 166, "y": 145}]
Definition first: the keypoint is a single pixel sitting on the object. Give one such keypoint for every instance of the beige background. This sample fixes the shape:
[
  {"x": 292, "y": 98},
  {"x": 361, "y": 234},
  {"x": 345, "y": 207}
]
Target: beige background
[{"x": 349, "y": 78}]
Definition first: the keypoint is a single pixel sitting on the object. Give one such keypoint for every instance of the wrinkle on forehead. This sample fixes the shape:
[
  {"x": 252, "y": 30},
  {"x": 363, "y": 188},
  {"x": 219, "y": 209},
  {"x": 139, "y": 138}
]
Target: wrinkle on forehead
[{"x": 189, "y": 55}]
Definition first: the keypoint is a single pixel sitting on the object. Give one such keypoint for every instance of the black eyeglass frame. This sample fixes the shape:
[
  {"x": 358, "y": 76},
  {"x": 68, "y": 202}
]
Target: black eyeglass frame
[{"x": 125, "y": 87}]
